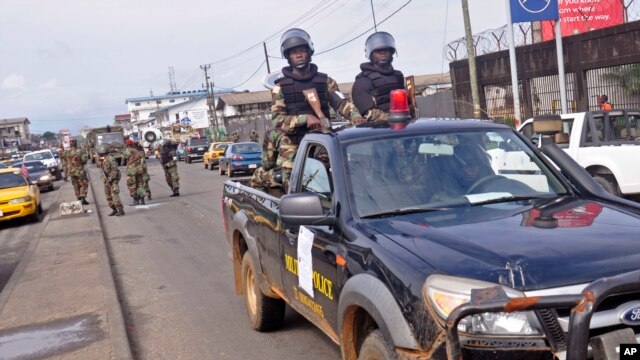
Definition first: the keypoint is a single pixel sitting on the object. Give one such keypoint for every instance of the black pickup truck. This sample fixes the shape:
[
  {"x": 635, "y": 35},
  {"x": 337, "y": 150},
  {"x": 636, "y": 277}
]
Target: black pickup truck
[{"x": 440, "y": 239}]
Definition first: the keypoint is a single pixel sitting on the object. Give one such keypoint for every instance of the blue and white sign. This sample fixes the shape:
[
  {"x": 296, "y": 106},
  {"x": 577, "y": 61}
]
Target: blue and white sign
[
  {"x": 185, "y": 118},
  {"x": 533, "y": 10}
]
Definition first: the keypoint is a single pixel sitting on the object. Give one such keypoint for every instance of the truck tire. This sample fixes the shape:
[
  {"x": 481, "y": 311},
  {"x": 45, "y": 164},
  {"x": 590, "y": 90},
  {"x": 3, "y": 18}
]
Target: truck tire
[
  {"x": 264, "y": 313},
  {"x": 230, "y": 172},
  {"x": 58, "y": 175},
  {"x": 188, "y": 160},
  {"x": 220, "y": 168},
  {"x": 375, "y": 347},
  {"x": 206, "y": 166},
  {"x": 608, "y": 183}
]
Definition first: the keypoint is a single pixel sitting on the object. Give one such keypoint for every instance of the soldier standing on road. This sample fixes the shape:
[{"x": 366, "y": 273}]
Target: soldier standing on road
[
  {"x": 75, "y": 160},
  {"x": 235, "y": 137},
  {"x": 167, "y": 152},
  {"x": 372, "y": 88},
  {"x": 253, "y": 136},
  {"x": 111, "y": 179},
  {"x": 63, "y": 162},
  {"x": 292, "y": 114},
  {"x": 135, "y": 172},
  {"x": 145, "y": 175}
]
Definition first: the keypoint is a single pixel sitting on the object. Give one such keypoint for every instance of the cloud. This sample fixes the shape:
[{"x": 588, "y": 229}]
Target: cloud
[
  {"x": 50, "y": 84},
  {"x": 13, "y": 81}
]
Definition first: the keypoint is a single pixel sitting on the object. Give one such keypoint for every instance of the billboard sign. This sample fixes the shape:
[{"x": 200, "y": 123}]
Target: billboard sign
[
  {"x": 533, "y": 10},
  {"x": 578, "y": 16}
]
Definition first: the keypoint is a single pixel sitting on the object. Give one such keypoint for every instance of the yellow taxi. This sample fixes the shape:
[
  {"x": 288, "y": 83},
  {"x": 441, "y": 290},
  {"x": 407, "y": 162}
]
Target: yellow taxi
[
  {"x": 18, "y": 197},
  {"x": 211, "y": 158}
]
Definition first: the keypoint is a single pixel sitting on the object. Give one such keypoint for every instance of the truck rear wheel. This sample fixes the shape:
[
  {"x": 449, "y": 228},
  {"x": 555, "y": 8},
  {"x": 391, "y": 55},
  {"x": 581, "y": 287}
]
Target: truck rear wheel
[
  {"x": 376, "y": 347},
  {"x": 608, "y": 183},
  {"x": 220, "y": 168},
  {"x": 264, "y": 313}
]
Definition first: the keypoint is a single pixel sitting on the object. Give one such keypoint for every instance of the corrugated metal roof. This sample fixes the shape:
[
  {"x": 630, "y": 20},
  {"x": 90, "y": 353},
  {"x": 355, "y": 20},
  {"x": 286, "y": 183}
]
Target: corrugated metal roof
[
  {"x": 216, "y": 90},
  {"x": 246, "y": 98},
  {"x": 14, "y": 121}
]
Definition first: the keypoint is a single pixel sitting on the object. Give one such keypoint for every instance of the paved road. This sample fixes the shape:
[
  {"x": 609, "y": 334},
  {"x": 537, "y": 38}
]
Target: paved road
[
  {"x": 173, "y": 271},
  {"x": 15, "y": 236}
]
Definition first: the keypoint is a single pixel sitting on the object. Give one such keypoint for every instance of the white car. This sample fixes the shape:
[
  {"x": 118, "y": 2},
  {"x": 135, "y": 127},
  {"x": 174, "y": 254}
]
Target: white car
[
  {"x": 605, "y": 143},
  {"x": 46, "y": 156}
]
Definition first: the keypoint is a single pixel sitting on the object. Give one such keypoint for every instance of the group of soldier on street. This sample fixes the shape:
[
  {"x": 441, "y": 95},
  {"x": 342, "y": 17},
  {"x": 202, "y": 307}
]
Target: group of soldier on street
[
  {"x": 73, "y": 163},
  {"x": 293, "y": 116}
]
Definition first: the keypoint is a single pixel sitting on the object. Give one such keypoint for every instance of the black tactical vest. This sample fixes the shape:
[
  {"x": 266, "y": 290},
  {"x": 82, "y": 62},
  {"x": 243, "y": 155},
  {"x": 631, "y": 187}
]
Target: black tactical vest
[
  {"x": 294, "y": 98},
  {"x": 165, "y": 154},
  {"x": 383, "y": 85}
]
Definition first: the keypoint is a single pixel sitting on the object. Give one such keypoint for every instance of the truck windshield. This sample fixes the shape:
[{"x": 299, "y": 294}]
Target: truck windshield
[
  {"x": 445, "y": 169},
  {"x": 109, "y": 138}
]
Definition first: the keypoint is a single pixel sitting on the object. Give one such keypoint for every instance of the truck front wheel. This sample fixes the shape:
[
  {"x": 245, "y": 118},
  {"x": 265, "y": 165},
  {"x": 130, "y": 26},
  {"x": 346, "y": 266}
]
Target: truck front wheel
[
  {"x": 608, "y": 184},
  {"x": 375, "y": 347},
  {"x": 265, "y": 313}
]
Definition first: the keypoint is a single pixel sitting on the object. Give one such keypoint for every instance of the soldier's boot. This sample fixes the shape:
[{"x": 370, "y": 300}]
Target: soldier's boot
[
  {"x": 120, "y": 212},
  {"x": 175, "y": 193},
  {"x": 149, "y": 196},
  {"x": 84, "y": 201},
  {"x": 141, "y": 200},
  {"x": 113, "y": 211},
  {"x": 135, "y": 201}
]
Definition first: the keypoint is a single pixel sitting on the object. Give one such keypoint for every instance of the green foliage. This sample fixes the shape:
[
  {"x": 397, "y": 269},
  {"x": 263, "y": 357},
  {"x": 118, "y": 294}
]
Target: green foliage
[
  {"x": 49, "y": 136},
  {"x": 628, "y": 77}
]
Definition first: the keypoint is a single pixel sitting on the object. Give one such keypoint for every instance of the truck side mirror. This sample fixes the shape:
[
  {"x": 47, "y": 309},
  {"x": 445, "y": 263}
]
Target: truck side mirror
[{"x": 304, "y": 209}]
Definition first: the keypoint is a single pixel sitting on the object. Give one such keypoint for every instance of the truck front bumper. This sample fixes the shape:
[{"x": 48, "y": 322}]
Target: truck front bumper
[{"x": 582, "y": 307}]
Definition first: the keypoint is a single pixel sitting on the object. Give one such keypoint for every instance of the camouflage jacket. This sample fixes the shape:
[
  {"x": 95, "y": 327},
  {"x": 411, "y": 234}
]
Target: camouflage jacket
[
  {"x": 288, "y": 123},
  {"x": 75, "y": 160},
  {"x": 135, "y": 161},
  {"x": 110, "y": 172},
  {"x": 270, "y": 146}
]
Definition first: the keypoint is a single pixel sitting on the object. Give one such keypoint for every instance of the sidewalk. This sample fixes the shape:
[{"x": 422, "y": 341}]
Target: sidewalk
[{"x": 61, "y": 300}]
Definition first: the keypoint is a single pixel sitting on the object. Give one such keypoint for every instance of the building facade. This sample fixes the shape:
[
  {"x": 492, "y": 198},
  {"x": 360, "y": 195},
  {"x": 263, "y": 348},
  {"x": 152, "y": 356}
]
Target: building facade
[{"x": 14, "y": 135}]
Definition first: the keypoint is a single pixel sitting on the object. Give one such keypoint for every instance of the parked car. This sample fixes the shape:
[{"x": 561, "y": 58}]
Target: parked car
[
  {"x": 39, "y": 174},
  {"x": 240, "y": 157},
  {"x": 47, "y": 157},
  {"x": 605, "y": 143},
  {"x": 212, "y": 157},
  {"x": 181, "y": 151},
  {"x": 196, "y": 147},
  {"x": 18, "y": 198}
]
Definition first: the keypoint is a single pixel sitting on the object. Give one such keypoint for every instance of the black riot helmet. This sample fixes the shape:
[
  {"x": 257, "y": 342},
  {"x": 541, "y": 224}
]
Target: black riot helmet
[
  {"x": 379, "y": 40},
  {"x": 293, "y": 38}
]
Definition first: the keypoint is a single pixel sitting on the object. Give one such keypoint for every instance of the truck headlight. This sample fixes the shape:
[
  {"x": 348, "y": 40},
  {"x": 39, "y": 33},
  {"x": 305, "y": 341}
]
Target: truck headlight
[
  {"x": 445, "y": 293},
  {"x": 20, "y": 200},
  {"x": 45, "y": 177}
]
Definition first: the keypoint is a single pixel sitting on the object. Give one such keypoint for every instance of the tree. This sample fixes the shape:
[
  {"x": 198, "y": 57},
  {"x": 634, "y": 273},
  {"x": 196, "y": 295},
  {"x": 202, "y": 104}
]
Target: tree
[
  {"x": 49, "y": 136},
  {"x": 628, "y": 77}
]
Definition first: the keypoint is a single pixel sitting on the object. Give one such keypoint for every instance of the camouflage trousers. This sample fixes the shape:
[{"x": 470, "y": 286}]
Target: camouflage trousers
[
  {"x": 264, "y": 179},
  {"x": 135, "y": 184},
  {"x": 80, "y": 186},
  {"x": 111, "y": 192},
  {"x": 145, "y": 180},
  {"x": 286, "y": 154},
  {"x": 171, "y": 175}
]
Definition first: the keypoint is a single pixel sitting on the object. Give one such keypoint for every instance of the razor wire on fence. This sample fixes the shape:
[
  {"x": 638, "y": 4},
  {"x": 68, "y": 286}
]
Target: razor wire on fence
[{"x": 589, "y": 15}]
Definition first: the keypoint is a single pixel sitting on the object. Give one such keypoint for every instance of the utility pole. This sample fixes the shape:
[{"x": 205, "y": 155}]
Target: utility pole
[
  {"x": 266, "y": 57},
  {"x": 210, "y": 100},
  {"x": 375, "y": 24},
  {"x": 471, "y": 56}
]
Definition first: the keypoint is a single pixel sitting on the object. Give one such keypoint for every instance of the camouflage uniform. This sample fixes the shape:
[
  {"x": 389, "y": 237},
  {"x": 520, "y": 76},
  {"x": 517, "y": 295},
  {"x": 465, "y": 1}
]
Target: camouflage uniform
[
  {"x": 296, "y": 125},
  {"x": 170, "y": 168},
  {"x": 145, "y": 179},
  {"x": 235, "y": 137},
  {"x": 75, "y": 160},
  {"x": 135, "y": 172},
  {"x": 63, "y": 163},
  {"x": 111, "y": 179},
  {"x": 263, "y": 177}
]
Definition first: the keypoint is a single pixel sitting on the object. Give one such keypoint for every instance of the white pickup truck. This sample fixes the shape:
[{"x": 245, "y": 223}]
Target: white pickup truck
[{"x": 605, "y": 143}]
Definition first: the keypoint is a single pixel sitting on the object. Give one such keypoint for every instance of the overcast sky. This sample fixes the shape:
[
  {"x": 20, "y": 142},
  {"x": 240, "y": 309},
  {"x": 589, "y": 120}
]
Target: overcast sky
[{"x": 71, "y": 63}]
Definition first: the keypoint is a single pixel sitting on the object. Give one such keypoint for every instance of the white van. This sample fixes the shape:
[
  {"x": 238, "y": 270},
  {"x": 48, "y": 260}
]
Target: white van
[{"x": 46, "y": 156}]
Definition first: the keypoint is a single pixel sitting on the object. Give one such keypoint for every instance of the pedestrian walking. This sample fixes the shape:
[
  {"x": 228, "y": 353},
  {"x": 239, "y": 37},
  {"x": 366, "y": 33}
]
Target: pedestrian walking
[
  {"x": 371, "y": 92},
  {"x": 75, "y": 160},
  {"x": 253, "y": 136},
  {"x": 603, "y": 102},
  {"x": 111, "y": 179}
]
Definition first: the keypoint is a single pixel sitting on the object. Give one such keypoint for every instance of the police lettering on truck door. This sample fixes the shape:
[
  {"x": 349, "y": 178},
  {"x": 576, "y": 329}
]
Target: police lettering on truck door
[{"x": 309, "y": 266}]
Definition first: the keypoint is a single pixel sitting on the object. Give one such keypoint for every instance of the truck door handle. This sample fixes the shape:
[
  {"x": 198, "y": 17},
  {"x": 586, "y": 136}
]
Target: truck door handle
[{"x": 292, "y": 235}]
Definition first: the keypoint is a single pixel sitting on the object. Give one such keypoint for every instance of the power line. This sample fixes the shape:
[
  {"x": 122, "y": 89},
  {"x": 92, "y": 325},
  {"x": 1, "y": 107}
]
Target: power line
[
  {"x": 369, "y": 29},
  {"x": 252, "y": 75}
]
